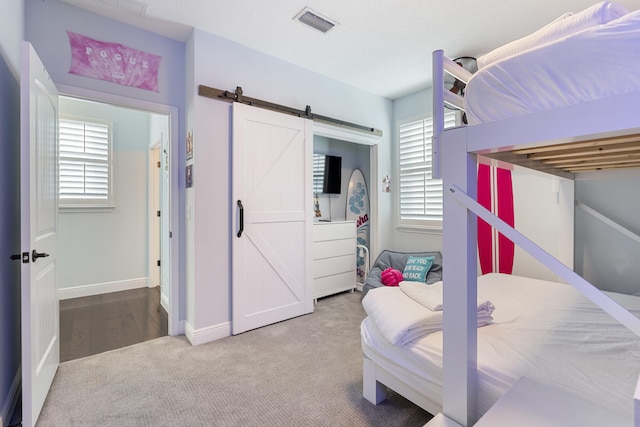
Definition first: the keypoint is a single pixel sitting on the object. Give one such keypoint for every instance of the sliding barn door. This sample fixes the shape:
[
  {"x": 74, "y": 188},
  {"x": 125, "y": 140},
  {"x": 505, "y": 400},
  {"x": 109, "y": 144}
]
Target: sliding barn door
[{"x": 272, "y": 200}]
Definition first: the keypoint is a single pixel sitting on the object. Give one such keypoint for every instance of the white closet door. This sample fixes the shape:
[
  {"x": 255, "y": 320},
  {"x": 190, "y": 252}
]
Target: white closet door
[
  {"x": 39, "y": 233},
  {"x": 272, "y": 235}
]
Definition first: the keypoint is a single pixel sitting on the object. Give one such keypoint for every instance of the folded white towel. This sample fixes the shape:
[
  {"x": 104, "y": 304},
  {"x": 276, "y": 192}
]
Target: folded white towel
[
  {"x": 430, "y": 296},
  {"x": 401, "y": 319}
]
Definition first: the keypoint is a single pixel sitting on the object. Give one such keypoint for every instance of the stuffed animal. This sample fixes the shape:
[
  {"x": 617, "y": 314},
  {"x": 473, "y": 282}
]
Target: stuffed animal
[{"x": 391, "y": 277}]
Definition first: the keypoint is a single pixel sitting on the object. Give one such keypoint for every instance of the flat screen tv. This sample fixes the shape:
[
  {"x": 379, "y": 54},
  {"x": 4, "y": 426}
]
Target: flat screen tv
[{"x": 332, "y": 175}]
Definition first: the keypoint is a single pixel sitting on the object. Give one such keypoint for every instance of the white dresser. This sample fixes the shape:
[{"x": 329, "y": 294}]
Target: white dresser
[{"x": 334, "y": 257}]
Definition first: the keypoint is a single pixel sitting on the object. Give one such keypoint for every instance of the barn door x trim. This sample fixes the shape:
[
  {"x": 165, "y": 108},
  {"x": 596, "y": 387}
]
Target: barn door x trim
[{"x": 238, "y": 96}]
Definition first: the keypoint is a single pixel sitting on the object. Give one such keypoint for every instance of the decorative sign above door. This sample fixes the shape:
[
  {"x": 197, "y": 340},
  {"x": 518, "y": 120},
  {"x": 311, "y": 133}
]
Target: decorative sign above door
[{"x": 113, "y": 62}]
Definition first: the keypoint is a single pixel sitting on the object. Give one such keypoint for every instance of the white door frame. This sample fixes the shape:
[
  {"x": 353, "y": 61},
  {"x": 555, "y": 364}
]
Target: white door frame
[
  {"x": 358, "y": 137},
  {"x": 176, "y": 327},
  {"x": 153, "y": 202}
]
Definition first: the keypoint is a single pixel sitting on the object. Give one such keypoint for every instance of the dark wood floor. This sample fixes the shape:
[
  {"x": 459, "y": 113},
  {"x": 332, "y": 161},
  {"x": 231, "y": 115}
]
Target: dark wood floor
[{"x": 92, "y": 325}]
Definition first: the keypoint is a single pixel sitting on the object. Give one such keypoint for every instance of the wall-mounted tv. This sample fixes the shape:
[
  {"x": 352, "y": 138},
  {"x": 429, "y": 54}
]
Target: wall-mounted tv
[{"x": 332, "y": 178}]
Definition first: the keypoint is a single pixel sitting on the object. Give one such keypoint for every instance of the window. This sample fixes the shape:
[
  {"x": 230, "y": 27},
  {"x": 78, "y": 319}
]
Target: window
[
  {"x": 420, "y": 195},
  {"x": 85, "y": 163},
  {"x": 318, "y": 172}
]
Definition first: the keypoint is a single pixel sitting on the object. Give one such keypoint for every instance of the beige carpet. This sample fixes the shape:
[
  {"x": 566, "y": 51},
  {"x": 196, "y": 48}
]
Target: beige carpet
[{"x": 305, "y": 371}]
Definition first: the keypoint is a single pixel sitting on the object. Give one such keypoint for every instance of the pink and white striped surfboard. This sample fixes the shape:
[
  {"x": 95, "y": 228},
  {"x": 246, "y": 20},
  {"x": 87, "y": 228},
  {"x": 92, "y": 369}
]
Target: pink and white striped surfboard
[{"x": 495, "y": 192}]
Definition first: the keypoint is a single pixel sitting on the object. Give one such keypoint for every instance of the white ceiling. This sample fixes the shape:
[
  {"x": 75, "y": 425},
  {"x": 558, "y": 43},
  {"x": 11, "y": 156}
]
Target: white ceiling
[{"x": 381, "y": 46}]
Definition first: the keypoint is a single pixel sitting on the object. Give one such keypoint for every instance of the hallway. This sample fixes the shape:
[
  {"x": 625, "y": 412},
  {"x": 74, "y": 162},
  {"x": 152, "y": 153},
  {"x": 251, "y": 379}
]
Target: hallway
[{"x": 95, "y": 324}]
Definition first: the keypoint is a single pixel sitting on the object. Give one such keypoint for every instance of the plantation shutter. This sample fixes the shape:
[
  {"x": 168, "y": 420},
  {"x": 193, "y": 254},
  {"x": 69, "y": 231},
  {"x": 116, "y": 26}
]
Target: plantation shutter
[
  {"x": 318, "y": 172},
  {"x": 84, "y": 163},
  {"x": 420, "y": 195}
]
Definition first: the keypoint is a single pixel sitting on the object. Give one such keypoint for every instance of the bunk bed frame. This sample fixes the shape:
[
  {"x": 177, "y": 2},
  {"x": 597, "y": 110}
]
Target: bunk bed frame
[{"x": 589, "y": 136}]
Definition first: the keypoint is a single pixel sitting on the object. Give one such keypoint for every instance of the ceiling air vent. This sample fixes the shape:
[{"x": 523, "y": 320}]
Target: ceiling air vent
[
  {"x": 134, "y": 6},
  {"x": 315, "y": 20}
]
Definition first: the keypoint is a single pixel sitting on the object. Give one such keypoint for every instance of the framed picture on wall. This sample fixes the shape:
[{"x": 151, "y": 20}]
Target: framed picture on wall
[
  {"x": 189, "y": 177},
  {"x": 189, "y": 145}
]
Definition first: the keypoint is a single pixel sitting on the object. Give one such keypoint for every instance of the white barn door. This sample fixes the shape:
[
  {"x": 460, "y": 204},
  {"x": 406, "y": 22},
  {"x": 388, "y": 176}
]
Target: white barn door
[
  {"x": 271, "y": 257},
  {"x": 39, "y": 233}
]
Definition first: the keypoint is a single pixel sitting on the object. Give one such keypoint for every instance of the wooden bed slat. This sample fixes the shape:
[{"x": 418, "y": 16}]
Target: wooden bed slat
[
  {"x": 605, "y": 153},
  {"x": 584, "y": 144}
]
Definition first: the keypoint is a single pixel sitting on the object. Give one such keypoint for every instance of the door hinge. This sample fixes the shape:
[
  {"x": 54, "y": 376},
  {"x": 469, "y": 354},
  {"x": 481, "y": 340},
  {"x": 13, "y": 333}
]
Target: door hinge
[
  {"x": 158, "y": 164},
  {"x": 158, "y": 213},
  {"x": 158, "y": 263}
]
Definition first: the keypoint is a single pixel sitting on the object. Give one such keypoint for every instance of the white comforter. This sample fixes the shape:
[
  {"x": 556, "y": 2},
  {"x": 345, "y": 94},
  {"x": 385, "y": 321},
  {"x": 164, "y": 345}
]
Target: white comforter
[
  {"x": 544, "y": 330},
  {"x": 595, "y": 63}
]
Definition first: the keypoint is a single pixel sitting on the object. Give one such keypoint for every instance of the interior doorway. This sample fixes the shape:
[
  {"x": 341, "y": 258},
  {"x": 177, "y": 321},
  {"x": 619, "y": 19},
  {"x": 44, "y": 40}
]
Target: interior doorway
[
  {"x": 359, "y": 150},
  {"x": 109, "y": 251}
]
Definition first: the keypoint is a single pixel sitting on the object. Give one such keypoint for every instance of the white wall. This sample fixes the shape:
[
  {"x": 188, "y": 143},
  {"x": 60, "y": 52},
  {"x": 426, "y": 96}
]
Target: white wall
[
  {"x": 541, "y": 211},
  {"x": 604, "y": 256},
  {"x": 108, "y": 249},
  {"x": 11, "y": 33},
  {"x": 222, "y": 64}
]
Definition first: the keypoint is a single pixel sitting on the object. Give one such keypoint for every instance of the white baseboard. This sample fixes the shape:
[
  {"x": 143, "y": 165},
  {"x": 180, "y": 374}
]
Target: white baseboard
[
  {"x": 208, "y": 334},
  {"x": 102, "y": 288},
  {"x": 9, "y": 405},
  {"x": 164, "y": 301}
]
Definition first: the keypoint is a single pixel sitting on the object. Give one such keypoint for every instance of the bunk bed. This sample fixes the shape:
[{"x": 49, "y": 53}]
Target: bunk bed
[{"x": 521, "y": 111}]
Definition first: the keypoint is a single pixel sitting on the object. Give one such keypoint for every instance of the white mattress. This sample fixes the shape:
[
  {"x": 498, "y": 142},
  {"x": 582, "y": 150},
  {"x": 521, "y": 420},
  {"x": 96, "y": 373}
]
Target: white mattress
[
  {"x": 599, "y": 62},
  {"x": 544, "y": 330}
]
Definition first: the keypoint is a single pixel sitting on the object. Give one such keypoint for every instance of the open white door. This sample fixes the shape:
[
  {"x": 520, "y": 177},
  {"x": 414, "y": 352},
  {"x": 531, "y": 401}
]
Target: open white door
[
  {"x": 39, "y": 231},
  {"x": 272, "y": 155}
]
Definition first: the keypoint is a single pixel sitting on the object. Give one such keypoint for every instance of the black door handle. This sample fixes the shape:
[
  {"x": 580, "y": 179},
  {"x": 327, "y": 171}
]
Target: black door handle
[
  {"x": 35, "y": 255},
  {"x": 241, "y": 218}
]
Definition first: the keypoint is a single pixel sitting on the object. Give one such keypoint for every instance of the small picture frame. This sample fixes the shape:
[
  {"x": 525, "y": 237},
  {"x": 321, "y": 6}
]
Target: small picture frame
[
  {"x": 189, "y": 176},
  {"x": 189, "y": 145}
]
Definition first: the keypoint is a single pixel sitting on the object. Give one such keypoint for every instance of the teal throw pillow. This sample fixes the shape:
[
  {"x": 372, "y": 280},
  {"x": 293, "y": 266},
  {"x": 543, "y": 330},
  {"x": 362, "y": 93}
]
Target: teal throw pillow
[{"x": 416, "y": 268}]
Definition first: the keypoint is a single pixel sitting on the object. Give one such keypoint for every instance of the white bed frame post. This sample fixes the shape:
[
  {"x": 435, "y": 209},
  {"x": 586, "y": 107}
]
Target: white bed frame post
[
  {"x": 460, "y": 339},
  {"x": 459, "y": 395}
]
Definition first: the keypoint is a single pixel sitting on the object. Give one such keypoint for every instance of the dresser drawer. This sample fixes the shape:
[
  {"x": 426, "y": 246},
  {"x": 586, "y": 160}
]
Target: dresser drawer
[
  {"x": 333, "y": 284},
  {"x": 334, "y": 248},
  {"x": 335, "y": 265},
  {"x": 334, "y": 230}
]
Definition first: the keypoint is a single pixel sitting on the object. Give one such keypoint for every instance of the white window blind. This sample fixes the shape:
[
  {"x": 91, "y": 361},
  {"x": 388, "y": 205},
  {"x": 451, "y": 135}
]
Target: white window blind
[
  {"x": 85, "y": 163},
  {"x": 420, "y": 195},
  {"x": 318, "y": 172}
]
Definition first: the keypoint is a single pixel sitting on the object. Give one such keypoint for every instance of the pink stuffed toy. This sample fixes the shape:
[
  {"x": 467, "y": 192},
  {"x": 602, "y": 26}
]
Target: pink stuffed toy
[{"x": 391, "y": 277}]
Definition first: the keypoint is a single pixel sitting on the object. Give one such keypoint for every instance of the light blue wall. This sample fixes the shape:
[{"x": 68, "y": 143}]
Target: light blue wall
[
  {"x": 354, "y": 156},
  {"x": 47, "y": 26},
  {"x": 11, "y": 33},
  {"x": 414, "y": 106},
  {"x": 222, "y": 64},
  {"x": 47, "y": 23}
]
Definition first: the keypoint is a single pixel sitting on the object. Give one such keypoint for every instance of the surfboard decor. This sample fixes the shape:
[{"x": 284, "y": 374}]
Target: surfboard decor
[
  {"x": 495, "y": 192},
  {"x": 358, "y": 210}
]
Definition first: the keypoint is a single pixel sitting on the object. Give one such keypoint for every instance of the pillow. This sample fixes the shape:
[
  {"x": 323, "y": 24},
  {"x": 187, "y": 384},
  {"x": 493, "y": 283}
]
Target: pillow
[
  {"x": 391, "y": 277},
  {"x": 565, "y": 25},
  {"x": 416, "y": 268}
]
